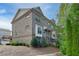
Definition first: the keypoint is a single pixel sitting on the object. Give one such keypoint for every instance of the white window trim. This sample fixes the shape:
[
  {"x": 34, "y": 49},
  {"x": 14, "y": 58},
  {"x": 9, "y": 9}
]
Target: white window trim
[
  {"x": 45, "y": 27},
  {"x": 54, "y": 33},
  {"x": 36, "y": 30}
]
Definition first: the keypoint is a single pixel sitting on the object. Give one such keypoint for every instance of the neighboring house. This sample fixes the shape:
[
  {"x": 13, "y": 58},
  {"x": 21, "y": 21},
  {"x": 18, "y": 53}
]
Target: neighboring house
[
  {"x": 5, "y": 36},
  {"x": 30, "y": 23}
]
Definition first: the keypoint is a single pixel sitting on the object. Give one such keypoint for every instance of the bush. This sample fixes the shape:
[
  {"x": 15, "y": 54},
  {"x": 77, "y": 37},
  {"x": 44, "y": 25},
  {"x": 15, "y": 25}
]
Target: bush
[
  {"x": 16, "y": 43},
  {"x": 34, "y": 42},
  {"x": 8, "y": 44},
  {"x": 57, "y": 44},
  {"x": 27, "y": 45},
  {"x": 37, "y": 43},
  {"x": 44, "y": 43}
]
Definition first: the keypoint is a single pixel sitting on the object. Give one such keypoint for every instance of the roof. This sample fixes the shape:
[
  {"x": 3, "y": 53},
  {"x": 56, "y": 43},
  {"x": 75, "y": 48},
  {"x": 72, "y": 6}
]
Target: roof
[
  {"x": 52, "y": 21},
  {"x": 24, "y": 11},
  {"x": 19, "y": 13}
]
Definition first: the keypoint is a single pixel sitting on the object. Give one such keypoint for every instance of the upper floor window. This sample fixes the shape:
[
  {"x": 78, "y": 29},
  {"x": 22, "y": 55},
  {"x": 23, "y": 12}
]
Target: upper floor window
[{"x": 38, "y": 20}]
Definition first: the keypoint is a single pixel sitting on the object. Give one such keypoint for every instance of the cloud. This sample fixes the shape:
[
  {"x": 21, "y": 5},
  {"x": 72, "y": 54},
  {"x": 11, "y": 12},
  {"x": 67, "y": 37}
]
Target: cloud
[
  {"x": 49, "y": 10},
  {"x": 5, "y": 23},
  {"x": 46, "y": 7},
  {"x": 2, "y": 11}
]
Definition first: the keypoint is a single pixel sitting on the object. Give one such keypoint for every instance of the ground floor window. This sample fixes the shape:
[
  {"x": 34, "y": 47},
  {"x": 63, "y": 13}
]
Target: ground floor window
[{"x": 38, "y": 30}]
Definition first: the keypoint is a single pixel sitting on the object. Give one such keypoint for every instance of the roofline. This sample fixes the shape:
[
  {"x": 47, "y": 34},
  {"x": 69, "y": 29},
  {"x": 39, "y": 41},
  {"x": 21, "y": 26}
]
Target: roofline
[
  {"x": 41, "y": 14},
  {"x": 30, "y": 10},
  {"x": 15, "y": 15}
]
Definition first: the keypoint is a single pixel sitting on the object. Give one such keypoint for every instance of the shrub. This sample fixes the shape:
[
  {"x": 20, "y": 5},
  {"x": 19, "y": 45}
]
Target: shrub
[
  {"x": 57, "y": 44},
  {"x": 34, "y": 42},
  {"x": 44, "y": 43},
  {"x": 16, "y": 43},
  {"x": 8, "y": 44},
  {"x": 27, "y": 45},
  {"x": 38, "y": 42}
]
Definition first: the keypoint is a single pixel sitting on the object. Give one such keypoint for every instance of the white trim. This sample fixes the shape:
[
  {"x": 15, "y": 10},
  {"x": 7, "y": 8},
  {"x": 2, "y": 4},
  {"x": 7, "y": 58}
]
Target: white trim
[
  {"x": 45, "y": 27},
  {"x": 54, "y": 33},
  {"x": 36, "y": 30}
]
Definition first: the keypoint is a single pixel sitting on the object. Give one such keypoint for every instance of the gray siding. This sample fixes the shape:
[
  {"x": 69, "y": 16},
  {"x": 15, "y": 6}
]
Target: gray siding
[
  {"x": 22, "y": 29},
  {"x": 42, "y": 22}
]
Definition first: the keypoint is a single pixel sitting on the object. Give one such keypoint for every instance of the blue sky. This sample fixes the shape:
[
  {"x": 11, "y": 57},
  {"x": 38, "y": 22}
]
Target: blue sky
[{"x": 8, "y": 11}]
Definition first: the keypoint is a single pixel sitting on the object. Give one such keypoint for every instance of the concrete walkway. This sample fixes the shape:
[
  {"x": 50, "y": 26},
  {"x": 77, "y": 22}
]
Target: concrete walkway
[
  {"x": 51, "y": 54},
  {"x": 25, "y": 51}
]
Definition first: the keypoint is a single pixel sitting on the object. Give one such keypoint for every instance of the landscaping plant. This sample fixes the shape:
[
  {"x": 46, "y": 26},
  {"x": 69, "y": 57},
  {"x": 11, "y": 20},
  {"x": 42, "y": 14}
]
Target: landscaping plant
[
  {"x": 34, "y": 42},
  {"x": 38, "y": 42}
]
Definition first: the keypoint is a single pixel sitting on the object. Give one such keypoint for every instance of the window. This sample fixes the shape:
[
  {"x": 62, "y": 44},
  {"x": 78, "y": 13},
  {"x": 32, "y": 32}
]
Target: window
[
  {"x": 53, "y": 35},
  {"x": 44, "y": 29},
  {"x": 38, "y": 30},
  {"x": 52, "y": 26},
  {"x": 37, "y": 20}
]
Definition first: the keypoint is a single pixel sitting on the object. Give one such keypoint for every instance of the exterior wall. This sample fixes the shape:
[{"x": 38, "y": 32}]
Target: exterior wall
[
  {"x": 42, "y": 22},
  {"x": 21, "y": 12},
  {"x": 22, "y": 29}
]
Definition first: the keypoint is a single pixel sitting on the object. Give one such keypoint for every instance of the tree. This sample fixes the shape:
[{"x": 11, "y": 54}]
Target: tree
[
  {"x": 61, "y": 25},
  {"x": 74, "y": 18},
  {"x": 69, "y": 38}
]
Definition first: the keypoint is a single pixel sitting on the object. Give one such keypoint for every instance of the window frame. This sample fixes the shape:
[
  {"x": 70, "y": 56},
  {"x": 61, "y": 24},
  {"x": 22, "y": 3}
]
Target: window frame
[{"x": 36, "y": 30}]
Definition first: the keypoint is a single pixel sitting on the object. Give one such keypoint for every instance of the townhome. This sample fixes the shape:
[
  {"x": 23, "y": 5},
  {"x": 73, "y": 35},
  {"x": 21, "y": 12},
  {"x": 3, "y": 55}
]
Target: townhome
[{"x": 31, "y": 23}]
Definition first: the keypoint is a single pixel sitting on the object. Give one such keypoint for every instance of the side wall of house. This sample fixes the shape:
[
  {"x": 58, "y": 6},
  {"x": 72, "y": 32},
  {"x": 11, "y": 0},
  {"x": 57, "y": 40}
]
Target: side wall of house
[
  {"x": 39, "y": 20},
  {"x": 42, "y": 21},
  {"x": 22, "y": 29}
]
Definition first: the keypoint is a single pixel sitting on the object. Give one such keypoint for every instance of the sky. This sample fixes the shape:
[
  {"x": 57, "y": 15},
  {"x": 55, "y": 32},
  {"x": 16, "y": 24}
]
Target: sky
[{"x": 8, "y": 11}]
